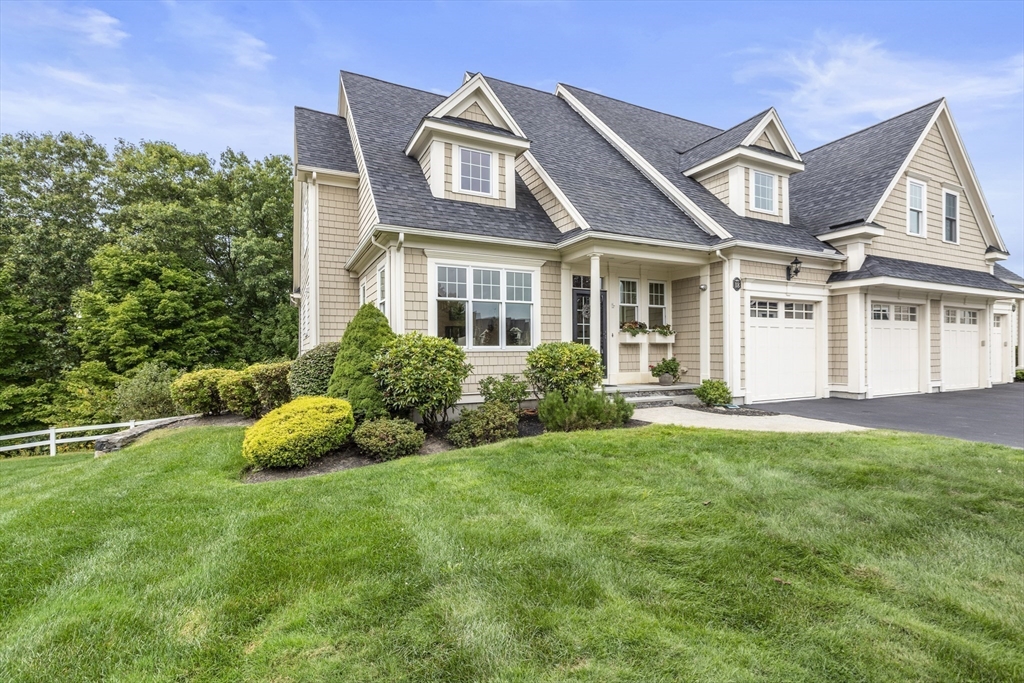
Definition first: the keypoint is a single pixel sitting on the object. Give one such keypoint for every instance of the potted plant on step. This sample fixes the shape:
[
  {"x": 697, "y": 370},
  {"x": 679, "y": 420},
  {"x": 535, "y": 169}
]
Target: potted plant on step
[{"x": 668, "y": 371}]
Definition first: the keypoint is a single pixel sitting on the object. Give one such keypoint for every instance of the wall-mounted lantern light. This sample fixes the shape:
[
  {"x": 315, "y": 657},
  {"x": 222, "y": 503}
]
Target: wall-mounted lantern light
[
  {"x": 737, "y": 283},
  {"x": 793, "y": 269}
]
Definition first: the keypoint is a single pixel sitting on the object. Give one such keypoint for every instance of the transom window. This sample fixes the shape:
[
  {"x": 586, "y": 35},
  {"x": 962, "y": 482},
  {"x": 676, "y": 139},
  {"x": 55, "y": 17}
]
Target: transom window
[
  {"x": 997, "y": 322},
  {"x": 904, "y": 313},
  {"x": 479, "y": 316},
  {"x": 915, "y": 208},
  {"x": 764, "y": 309},
  {"x": 799, "y": 311},
  {"x": 951, "y": 230},
  {"x": 627, "y": 301},
  {"x": 950, "y": 315},
  {"x": 655, "y": 304},
  {"x": 583, "y": 282},
  {"x": 764, "y": 191},
  {"x": 968, "y": 317},
  {"x": 879, "y": 312},
  {"x": 475, "y": 173}
]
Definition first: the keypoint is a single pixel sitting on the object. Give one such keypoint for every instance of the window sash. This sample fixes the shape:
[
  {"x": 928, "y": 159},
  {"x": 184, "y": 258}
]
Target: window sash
[
  {"x": 479, "y": 317},
  {"x": 879, "y": 311},
  {"x": 764, "y": 309},
  {"x": 951, "y": 215},
  {"x": 475, "y": 171},
  {"x": 382, "y": 291},
  {"x": 764, "y": 191},
  {"x": 799, "y": 311}
]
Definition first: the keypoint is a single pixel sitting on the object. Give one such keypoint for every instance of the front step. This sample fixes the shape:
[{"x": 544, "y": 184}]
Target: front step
[{"x": 655, "y": 395}]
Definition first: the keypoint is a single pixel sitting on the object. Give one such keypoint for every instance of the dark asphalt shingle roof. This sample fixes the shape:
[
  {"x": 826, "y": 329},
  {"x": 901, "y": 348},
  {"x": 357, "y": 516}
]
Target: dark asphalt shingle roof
[
  {"x": 611, "y": 194},
  {"x": 659, "y": 138},
  {"x": 322, "y": 141},
  {"x": 720, "y": 144},
  {"x": 844, "y": 180},
  {"x": 878, "y": 266},
  {"x": 386, "y": 115},
  {"x": 475, "y": 125},
  {"x": 1007, "y": 275}
]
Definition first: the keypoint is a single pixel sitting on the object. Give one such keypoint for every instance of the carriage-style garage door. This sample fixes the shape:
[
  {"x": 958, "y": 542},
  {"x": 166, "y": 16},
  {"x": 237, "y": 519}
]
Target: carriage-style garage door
[
  {"x": 894, "y": 364},
  {"x": 780, "y": 350},
  {"x": 961, "y": 345}
]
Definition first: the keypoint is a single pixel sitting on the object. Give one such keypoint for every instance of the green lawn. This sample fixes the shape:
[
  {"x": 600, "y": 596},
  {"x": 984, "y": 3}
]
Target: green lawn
[{"x": 640, "y": 555}]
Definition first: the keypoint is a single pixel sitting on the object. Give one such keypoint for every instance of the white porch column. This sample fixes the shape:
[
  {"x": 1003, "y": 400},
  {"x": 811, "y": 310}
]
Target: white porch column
[
  {"x": 568, "y": 314},
  {"x": 731, "y": 313},
  {"x": 595, "y": 301},
  {"x": 855, "y": 327},
  {"x": 1019, "y": 313},
  {"x": 705, "y": 322}
]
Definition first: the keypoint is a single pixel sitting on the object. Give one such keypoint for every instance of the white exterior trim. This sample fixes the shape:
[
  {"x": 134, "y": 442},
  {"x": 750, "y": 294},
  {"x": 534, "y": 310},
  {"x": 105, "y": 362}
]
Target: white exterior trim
[
  {"x": 924, "y": 207},
  {"x": 472, "y": 86},
  {"x": 492, "y": 171},
  {"x": 773, "y": 117},
  {"x": 555, "y": 190},
  {"x": 946, "y": 191},
  {"x": 743, "y": 154}
]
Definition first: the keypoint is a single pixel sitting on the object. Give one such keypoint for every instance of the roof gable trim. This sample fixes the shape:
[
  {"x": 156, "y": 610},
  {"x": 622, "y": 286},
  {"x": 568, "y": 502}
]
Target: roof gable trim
[
  {"x": 771, "y": 125},
  {"x": 557, "y": 191},
  {"x": 476, "y": 89}
]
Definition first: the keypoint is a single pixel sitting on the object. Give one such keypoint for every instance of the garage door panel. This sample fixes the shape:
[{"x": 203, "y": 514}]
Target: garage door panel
[
  {"x": 961, "y": 345},
  {"x": 781, "y": 358},
  {"x": 894, "y": 363}
]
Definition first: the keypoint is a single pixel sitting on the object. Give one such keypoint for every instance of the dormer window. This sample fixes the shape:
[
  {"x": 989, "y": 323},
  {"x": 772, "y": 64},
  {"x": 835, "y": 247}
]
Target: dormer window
[
  {"x": 475, "y": 171},
  {"x": 764, "y": 192}
]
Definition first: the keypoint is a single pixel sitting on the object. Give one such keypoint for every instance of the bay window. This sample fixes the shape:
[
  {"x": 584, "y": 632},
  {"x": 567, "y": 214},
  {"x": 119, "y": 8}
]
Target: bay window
[{"x": 485, "y": 307}]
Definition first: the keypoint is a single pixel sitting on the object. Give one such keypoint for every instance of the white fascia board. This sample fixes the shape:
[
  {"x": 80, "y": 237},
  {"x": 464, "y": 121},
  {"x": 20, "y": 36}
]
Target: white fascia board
[
  {"x": 613, "y": 237},
  {"x": 421, "y": 138},
  {"x": 853, "y": 233},
  {"x": 467, "y": 89},
  {"x": 343, "y": 177},
  {"x": 770, "y": 117},
  {"x": 569, "y": 207},
  {"x": 356, "y": 147},
  {"x": 686, "y": 204},
  {"x": 745, "y": 153},
  {"x": 902, "y": 283}
]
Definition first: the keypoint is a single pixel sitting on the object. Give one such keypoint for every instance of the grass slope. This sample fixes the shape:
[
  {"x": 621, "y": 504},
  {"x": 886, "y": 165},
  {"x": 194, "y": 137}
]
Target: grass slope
[{"x": 639, "y": 555}]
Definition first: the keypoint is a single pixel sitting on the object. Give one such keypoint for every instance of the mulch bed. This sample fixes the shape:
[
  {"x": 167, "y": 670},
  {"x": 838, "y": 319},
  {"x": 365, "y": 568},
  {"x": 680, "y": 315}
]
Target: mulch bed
[{"x": 749, "y": 412}]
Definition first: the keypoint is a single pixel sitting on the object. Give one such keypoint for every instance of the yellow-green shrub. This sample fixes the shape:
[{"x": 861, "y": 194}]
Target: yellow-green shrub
[
  {"x": 197, "y": 392},
  {"x": 238, "y": 393},
  {"x": 298, "y": 432}
]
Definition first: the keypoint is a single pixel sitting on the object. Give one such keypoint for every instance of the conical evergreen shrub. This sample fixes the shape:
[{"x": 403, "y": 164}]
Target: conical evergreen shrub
[{"x": 353, "y": 379}]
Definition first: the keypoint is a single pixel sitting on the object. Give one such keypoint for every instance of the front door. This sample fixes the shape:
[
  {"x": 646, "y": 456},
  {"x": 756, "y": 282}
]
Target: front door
[{"x": 581, "y": 322}]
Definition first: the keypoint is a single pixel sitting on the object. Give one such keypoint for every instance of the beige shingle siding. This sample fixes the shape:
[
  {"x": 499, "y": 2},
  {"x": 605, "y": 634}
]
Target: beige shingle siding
[
  {"x": 656, "y": 352},
  {"x": 492, "y": 363},
  {"x": 838, "y": 342},
  {"x": 369, "y": 278},
  {"x": 716, "y": 322},
  {"x": 415, "y": 290},
  {"x": 629, "y": 358},
  {"x": 551, "y": 301},
  {"x": 545, "y": 197},
  {"x": 367, "y": 210},
  {"x": 718, "y": 185},
  {"x": 475, "y": 113},
  {"x": 748, "y": 193},
  {"x": 449, "y": 172},
  {"x": 338, "y": 236},
  {"x": 425, "y": 162},
  {"x": 936, "y": 340},
  {"x": 933, "y": 161},
  {"x": 775, "y": 271},
  {"x": 763, "y": 141},
  {"x": 686, "y": 323}
]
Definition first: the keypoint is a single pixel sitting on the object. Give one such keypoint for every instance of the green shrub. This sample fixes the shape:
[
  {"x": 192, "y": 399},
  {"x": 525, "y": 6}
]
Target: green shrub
[
  {"x": 84, "y": 396},
  {"x": 146, "y": 395},
  {"x": 387, "y": 439},
  {"x": 270, "y": 382},
  {"x": 585, "y": 409},
  {"x": 1018, "y": 376},
  {"x": 311, "y": 372},
  {"x": 495, "y": 421},
  {"x": 713, "y": 392},
  {"x": 417, "y": 372},
  {"x": 668, "y": 366},
  {"x": 353, "y": 379},
  {"x": 197, "y": 392},
  {"x": 297, "y": 432},
  {"x": 509, "y": 390},
  {"x": 238, "y": 393},
  {"x": 563, "y": 367}
]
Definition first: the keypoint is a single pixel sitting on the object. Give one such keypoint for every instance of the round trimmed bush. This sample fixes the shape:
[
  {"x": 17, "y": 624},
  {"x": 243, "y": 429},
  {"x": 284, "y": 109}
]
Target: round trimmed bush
[
  {"x": 564, "y": 367},
  {"x": 311, "y": 372},
  {"x": 417, "y": 372},
  {"x": 146, "y": 395},
  {"x": 353, "y": 379},
  {"x": 388, "y": 439},
  {"x": 270, "y": 382},
  {"x": 297, "y": 432},
  {"x": 238, "y": 393},
  {"x": 494, "y": 421},
  {"x": 713, "y": 392},
  {"x": 197, "y": 392}
]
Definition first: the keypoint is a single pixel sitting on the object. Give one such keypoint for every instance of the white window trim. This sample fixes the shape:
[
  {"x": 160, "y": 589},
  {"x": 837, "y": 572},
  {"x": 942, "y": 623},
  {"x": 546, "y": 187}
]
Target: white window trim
[
  {"x": 457, "y": 172},
  {"x": 924, "y": 208},
  {"x": 958, "y": 212},
  {"x": 432, "y": 265},
  {"x": 753, "y": 192},
  {"x": 664, "y": 307},
  {"x": 636, "y": 305},
  {"x": 382, "y": 292},
  {"x": 362, "y": 293}
]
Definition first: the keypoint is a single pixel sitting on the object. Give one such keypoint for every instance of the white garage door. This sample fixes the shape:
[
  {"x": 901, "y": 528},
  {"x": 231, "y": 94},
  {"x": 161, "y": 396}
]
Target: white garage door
[
  {"x": 780, "y": 350},
  {"x": 895, "y": 356},
  {"x": 996, "y": 348},
  {"x": 961, "y": 343}
]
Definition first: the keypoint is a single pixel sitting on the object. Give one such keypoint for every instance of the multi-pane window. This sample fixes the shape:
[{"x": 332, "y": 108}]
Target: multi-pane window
[
  {"x": 906, "y": 314},
  {"x": 997, "y": 321},
  {"x": 764, "y": 309},
  {"x": 799, "y": 311},
  {"x": 764, "y": 191},
  {"x": 382, "y": 292},
  {"x": 951, "y": 217},
  {"x": 915, "y": 208},
  {"x": 950, "y": 315},
  {"x": 656, "y": 304},
  {"x": 879, "y": 312},
  {"x": 627, "y": 301},
  {"x": 479, "y": 316},
  {"x": 583, "y": 282},
  {"x": 475, "y": 171},
  {"x": 968, "y": 317}
]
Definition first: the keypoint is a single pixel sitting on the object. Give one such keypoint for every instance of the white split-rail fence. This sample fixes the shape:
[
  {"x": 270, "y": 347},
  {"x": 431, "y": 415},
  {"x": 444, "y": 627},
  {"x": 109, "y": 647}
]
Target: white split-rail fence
[{"x": 53, "y": 441}]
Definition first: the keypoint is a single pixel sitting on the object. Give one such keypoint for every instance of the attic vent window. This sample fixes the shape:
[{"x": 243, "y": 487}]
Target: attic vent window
[
  {"x": 475, "y": 171},
  {"x": 764, "y": 192}
]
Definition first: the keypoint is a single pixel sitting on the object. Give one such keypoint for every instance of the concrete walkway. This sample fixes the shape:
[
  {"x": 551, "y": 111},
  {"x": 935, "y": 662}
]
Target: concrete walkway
[{"x": 674, "y": 415}]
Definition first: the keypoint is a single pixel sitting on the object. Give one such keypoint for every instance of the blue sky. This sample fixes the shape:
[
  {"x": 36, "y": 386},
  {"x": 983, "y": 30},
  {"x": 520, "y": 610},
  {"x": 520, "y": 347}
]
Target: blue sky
[{"x": 208, "y": 76}]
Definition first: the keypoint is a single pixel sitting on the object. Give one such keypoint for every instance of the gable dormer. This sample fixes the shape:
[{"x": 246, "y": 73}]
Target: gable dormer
[
  {"x": 468, "y": 145},
  {"x": 747, "y": 167}
]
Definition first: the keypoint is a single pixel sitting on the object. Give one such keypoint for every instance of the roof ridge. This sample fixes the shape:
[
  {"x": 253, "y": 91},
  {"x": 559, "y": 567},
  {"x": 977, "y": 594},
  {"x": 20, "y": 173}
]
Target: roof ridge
[
  {"x": 317, "y": 111},
  {"x": 640, "y": 106},
  {"x": 397, "y": 85},
  {"x": 875, "y": 125},
  {"x": 762, "y": 115},
  {"x": 518, "y": 85}
]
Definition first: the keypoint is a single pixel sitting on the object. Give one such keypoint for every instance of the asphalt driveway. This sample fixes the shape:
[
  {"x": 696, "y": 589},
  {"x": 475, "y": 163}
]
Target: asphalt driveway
[{"x": 993, "y": 415}]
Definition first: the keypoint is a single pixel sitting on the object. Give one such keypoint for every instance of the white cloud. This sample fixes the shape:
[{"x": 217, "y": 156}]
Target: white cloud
[
  {"x": 91, "y": 25},
  {"x": 195, "y": 24},
  {"x": 833, "y": 85}
]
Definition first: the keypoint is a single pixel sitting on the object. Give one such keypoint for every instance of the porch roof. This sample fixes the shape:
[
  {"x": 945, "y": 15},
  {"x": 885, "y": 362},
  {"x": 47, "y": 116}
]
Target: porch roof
[{"x": 878, "y": 266}]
